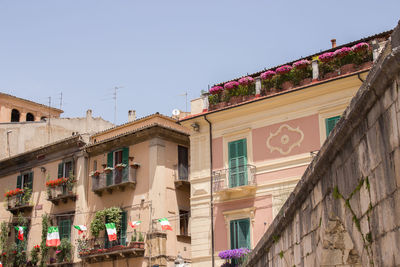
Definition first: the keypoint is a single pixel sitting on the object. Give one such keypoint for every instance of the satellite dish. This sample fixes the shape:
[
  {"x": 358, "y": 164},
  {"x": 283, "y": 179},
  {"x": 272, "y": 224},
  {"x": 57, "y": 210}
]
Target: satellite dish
[{"x": 176, "y": 112}]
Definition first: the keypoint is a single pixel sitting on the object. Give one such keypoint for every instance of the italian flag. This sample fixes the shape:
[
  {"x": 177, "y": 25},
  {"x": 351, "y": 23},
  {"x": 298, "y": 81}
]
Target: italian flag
[
  {"x": 53, "y": 237},
  {"x": 21, "y": 231},
  {"x": 1, "y": 264},
  {"x": 134, "y": 224},
  {"x": 165, "y": 224},
  {"x": 111, "y": 231},
  {"x": 80, "y": 228}
]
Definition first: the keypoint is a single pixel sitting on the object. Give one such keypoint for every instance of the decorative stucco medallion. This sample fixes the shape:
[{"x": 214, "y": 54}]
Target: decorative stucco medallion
[{"x": 285, "y": 139}]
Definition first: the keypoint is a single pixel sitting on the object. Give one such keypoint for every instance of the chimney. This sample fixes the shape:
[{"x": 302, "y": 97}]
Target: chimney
[
  {"x": 131, "y": 115},
  {"x": 89, "y": 114},
  {"x": 333, "y": 41}
]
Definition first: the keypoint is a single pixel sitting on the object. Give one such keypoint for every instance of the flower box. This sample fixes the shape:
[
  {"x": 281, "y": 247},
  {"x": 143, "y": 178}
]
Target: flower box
[
  {"x": 120, "y": 166},
  {"x": 305, "y": 81},
  {"x": 108, "y": 169},
  {"x": 347, "y": 68},
  {"x": 95, "y": 173},
  {"x": 287, "y": 85}
]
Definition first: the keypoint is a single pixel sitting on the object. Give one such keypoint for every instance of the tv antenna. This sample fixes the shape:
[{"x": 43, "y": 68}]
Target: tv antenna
[
  {"x": 186, "y": 100},
  {"x": 115, "y": 102}
]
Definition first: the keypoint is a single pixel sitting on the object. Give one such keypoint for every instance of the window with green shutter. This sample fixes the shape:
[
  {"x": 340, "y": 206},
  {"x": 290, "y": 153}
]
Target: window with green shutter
[
  {"x": 330, "y": 124},
  {"x": 125, "y": 160},
  {"x": 240, "y": 233},
  {"x": 237, "y": 151},
  {"x": 64, "y": 228},
  {"x": 122, "y": 232},
  {"x": 60, "y": 170}
]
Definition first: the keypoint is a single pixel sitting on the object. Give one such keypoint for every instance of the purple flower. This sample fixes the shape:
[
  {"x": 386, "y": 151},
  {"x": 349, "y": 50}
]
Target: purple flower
[
  {"x": 231, "y": 85},
  {"x": 234, "y": 253},
  {"x": 283, "y": 69},
  {"x": 267, "y": 75},
  {"x": 342, "y": 52},
  {"x": 326, "y": 57},
  {"x": 216, "y": 89},
  {"x": 360, "y": 47},
  {"x": 246, "y": 81},
  {"x": 301, "y": 64}
]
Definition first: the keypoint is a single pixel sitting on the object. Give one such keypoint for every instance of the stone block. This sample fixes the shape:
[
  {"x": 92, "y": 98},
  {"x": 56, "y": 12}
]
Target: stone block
[
  {"x": 297, "y": 255},
  {"x": 331, "y": 257},
  {"x": 364, "y": 158},
  {"x": 365, "y": 200},
  {"x": 388, "y": 97},
  {"x": 390, "y": 249},
  {"x": 396, "y": 162},
  {"x": 375, "y": 145},
  {"x": 310, "y": 260},
  {"x": 307, "y": 245},
  {"x": 317, "y": 194}
]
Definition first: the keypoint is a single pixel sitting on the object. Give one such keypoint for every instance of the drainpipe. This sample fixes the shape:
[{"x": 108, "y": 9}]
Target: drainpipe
[{"x": 211, "y": 192}]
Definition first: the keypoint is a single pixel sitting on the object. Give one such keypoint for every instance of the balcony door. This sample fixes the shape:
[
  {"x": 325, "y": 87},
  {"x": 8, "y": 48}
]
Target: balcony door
[
  {"x": 237, "y": 151},
  {"x": 114, "y": 158}
]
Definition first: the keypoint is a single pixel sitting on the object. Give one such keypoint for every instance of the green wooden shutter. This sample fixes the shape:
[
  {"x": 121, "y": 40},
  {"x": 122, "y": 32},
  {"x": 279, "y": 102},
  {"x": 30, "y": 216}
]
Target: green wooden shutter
[
  {"x": 330, "y": 124},
  {"x": 19, "y": 181},
  {"x": 110, "y": 163},
  {"x": 233, "y": 234},
  {"x": 122, "y": 233},
  {"x": 65, "y": 229},
  {"x": 60, "y": 169},
  {"x": 243, "y": 227},
  {"x": 125, "y": 155},
  {"x": 237, "y": 163},
  {"x": 29, "y": 182}
]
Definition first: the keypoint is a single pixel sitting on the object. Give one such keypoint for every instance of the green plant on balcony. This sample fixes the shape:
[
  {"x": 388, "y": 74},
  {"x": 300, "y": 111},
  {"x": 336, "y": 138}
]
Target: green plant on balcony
[
  {"x": 44, "y": 252},
  {"x": 141, "y": 238},
  {"x": 64, "y": 251},
  {"x": 26, "y": 197},
  {"x": 70, "y": 182},
  {"x": 35, "y": 255},
  {"x": 112, "y": 215},
  {"x": 4, "y": 247},
  {"x": 82, "y": 245},
  {"x": 20, "y": 246}
]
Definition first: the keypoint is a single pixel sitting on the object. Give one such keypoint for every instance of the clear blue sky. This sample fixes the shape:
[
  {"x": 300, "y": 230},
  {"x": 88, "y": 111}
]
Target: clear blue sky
[{"x": 157, "y": 50}]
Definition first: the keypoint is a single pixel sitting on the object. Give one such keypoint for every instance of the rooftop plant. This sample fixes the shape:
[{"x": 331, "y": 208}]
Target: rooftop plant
[
  {"x": 267, "y": 75},
  {"x": 301, "y": 64},
  {"x": 283, "y": 69},
  {"x": 231, "y": 85},
  {"x": 246, "y": 81},
  {"x": 216, "y": 90},
  {"x": 326, "y": 57}
]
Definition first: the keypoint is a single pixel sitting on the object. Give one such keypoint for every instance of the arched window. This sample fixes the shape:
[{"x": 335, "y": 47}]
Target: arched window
[
  {"x": 15, "y": 115},
  {"x": 30, "y": 117}
]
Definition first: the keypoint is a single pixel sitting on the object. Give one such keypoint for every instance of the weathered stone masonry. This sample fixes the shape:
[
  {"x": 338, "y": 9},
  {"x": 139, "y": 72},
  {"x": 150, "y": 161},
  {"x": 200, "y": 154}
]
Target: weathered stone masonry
[{"x": 345, "y": 211}]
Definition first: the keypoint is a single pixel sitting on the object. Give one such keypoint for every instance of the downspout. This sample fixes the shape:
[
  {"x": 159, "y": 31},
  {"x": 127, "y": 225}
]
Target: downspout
[{"x": 211, "y": 191}]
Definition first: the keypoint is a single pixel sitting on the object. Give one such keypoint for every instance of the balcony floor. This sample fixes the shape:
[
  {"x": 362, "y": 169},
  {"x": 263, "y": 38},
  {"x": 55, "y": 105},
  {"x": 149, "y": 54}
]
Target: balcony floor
[
  {"x": 111, "y": 188},
  {"x": 127, "y": 252}
]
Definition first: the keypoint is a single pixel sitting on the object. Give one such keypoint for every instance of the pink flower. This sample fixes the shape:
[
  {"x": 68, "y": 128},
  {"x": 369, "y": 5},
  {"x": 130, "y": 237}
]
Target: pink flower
[
  {"x": 267, "y": 75},
  {"x": 342, "y": 52},
  {"x": 301, "y": 64},
  {"x": 326, "y": 57},
  {"x": 231, "y": 85},
  {"x": 360, "y": 47},
  {"x": 246, "y": 81},
  {"x": 216, "y": 89},
  {"x": 283, "y": 69},
  {"x": 58, "y": 251}
]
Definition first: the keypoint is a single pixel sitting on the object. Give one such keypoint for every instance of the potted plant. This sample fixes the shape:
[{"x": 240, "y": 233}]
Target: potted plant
[
  {"x": 232, "y": 92},
  {"x": 108, "y": 169},
  {"x": 95, "y": 173},
  {"x": 215, "y": 98},
  {"x": 327, "y": 66},
  {"x": 120, "y": 166},
  {"x": 141, "y": 240},
  {"x": 283, "y": 80},
  {"x": 362, "y": 55},
  {"x": 247, "y": 87},
  {"x": 302, "y": 72},
  {"x": 133, "y": 239}
]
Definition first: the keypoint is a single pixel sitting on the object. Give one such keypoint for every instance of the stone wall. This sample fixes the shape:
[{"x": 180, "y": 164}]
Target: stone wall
[{"x": 345, "y": 211}]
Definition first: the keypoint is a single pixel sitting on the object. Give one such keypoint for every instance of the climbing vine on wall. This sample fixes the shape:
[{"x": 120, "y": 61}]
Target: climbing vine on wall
[{"x": 112, "y": 215}]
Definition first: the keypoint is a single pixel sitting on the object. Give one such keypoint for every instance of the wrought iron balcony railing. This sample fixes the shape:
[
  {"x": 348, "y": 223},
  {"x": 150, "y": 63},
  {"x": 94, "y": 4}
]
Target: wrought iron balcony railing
[
  {"x": 19, "y": 202},
  {"x": 234, "y": 178},
  {"x": 132, "y": 244},
  {"x": 117, "y": 178},
  {"x": 62, "y": 192}
]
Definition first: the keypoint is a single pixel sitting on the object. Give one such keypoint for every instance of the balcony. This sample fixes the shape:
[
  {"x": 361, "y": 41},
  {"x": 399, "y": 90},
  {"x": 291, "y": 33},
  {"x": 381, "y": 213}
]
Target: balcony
[
  {"x": 100, "y": 249},
  {"x": 58, "y": 193},
  {"x": 182, "y": 179},
  {"x": 116, "y": 179},
  {"x": 19, "y": 203},
  {"x": 235, "y": 182}
]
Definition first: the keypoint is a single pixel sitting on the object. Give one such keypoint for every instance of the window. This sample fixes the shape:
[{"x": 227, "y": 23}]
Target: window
[
  {"x": 65, "y": 169},
  {"x": 30, "y": 117},
  {"x": 240, "y": 233},
  {"x": 184, "y": 222},
  {"x": 95, "y": 165},
  {"x": 25, "y": 180},
  {"x": 330, "y": 124},
  {"x": 237, "y": 151},
  {"x": 64, "y": 228},
  {"x": 183, "y": 158},
  {"x": 15, "y": 115},
  {"x": 114, "y": 158}
]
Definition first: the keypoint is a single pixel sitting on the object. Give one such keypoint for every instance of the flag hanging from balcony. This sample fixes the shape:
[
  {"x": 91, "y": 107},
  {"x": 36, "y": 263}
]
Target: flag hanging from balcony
[
  {"x": 111, "y": 231},
  {"x": 21, "y": 230},
  {"x": 1, "y": 264},
  {"x": 135, "y": 224},
  {"x": 53, "y": 237},
  {"x": 80, "y": 228},
  {"x": 165, "y": 224}
]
